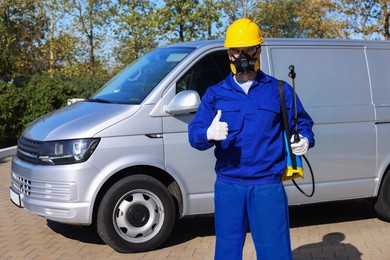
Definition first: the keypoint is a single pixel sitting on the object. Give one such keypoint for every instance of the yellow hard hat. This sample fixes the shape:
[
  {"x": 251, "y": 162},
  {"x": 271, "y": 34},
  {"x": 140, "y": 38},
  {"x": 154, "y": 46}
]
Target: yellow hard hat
[{"x": 243, "y": 33}]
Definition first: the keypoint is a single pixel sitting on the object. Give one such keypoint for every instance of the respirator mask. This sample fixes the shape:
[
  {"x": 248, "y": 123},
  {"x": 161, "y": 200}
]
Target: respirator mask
[{"x": 244, "y": 61}]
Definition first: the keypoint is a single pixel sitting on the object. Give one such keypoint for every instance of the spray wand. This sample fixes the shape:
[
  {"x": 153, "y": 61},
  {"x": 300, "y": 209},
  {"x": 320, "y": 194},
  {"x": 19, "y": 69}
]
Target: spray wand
[{"x": 292, "y": 75}]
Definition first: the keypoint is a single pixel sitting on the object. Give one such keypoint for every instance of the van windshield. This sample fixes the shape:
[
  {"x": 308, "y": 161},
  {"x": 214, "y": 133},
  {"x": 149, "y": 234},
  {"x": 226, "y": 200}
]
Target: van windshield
[{"x": 138, "y": 79}]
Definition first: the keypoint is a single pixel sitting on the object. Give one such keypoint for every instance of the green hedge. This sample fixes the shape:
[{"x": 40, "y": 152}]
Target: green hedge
[
  {"x": 12, "y": 107},
  {"x": 34, "y": 97}
]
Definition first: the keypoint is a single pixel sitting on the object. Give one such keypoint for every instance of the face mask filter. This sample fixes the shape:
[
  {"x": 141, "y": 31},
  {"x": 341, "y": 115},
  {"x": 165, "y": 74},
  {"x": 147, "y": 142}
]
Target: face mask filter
[{"x": 244, "y": 64}]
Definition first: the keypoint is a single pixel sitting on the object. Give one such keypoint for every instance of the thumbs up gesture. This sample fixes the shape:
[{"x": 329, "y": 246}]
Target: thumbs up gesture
[{"x": 217, "y": 131}]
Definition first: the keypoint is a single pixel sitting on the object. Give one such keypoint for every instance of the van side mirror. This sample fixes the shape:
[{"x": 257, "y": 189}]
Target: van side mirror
[{"x": 184, "y": 102}]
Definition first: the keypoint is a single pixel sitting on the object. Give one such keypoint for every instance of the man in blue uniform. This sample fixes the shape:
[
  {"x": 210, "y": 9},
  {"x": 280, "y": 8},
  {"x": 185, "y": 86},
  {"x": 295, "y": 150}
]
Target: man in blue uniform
[{"x": 241, "y": 117}]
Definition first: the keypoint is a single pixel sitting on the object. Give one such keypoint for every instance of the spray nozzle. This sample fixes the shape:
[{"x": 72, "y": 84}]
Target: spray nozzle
[{"x": 291, "y": 74}]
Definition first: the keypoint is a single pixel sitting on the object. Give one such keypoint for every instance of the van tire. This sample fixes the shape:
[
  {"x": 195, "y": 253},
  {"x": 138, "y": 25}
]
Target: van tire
[
  {"x": 382, "y": 205},
  {"x": 136, "y": 214}
]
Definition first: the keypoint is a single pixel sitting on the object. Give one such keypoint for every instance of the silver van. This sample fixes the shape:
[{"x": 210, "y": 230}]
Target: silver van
[{"x": 121, "y": 159}]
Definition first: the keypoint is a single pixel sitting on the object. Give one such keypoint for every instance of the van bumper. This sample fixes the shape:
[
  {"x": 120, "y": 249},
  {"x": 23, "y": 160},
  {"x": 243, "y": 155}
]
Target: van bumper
[{"x": 58, "y": 193}]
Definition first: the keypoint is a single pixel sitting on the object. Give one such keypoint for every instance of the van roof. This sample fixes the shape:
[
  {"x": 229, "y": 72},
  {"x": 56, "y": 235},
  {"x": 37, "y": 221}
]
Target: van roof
[{"x": 292, "y": 41}]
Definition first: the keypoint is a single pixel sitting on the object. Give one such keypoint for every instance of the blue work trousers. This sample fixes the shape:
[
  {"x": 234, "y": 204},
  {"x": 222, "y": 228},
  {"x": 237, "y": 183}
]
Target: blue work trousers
[{"x": 264, "y": 208}]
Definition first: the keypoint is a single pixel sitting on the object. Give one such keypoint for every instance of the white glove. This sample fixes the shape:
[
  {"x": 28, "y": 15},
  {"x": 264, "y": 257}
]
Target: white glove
[
  {"x": 217, "y": 131},
  {"x": 301, "y": 147}
]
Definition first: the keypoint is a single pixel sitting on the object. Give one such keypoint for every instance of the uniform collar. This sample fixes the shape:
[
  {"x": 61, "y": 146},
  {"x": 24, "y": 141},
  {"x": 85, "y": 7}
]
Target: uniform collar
[{"x": 261, "y": 77}]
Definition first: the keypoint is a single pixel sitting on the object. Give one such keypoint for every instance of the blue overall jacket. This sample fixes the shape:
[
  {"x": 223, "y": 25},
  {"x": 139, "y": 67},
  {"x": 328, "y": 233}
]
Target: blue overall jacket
[{"x": 253, "y": 152}]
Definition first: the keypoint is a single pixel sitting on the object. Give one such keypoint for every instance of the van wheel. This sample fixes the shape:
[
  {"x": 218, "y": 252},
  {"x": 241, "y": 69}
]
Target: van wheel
[
  {"x": 382, "y": 205},
  {"x": 136, "y": 214}
]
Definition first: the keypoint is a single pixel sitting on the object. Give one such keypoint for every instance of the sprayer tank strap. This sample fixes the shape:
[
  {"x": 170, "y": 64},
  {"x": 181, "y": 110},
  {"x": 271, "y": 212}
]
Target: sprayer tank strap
[{"x": 285, "y": 122}]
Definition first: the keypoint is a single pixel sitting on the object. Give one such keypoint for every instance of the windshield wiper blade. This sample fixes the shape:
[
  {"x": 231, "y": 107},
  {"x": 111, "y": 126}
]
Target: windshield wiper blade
[{"x": 99, "y": 100}]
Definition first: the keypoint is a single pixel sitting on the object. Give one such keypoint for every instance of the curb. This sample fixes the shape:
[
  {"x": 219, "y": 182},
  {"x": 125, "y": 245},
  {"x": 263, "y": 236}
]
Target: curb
[{"x": 6, "y": 152}]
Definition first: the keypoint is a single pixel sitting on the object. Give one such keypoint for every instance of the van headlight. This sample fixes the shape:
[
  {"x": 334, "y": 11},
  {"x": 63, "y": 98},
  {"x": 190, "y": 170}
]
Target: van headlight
[{"x": 67, "y": 151}]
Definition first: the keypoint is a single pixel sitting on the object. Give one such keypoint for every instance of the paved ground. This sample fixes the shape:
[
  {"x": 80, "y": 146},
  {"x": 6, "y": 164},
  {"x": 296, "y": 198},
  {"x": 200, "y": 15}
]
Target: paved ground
[{"x": 341, "y": 230}]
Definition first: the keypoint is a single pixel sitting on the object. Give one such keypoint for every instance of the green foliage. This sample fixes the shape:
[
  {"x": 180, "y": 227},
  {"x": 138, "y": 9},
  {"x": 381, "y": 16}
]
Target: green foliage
[
  {"x": 368, "y": 18},
  {"x": 44, "y": 95},
  {"x": 136, "y": 31},
  {"x": 277, "y": 19},
  {"x": 235, "y": 9},
  {"x": 86, "y": 87},
  {"x": 12, "y": 106},
  {"x": 321, "y": 19},
  {"x": 90, "y": 19},
  {"x": 22, "y": 27},
  {"x": 301, "y": 19},
  {"x": 188, "y": 20},
  {"x": 35, "y": 97}
]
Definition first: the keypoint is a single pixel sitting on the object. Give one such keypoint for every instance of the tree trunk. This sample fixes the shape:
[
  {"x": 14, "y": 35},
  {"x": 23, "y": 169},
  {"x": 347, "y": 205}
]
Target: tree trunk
[
  {"x": 387, "y": 25},
  {"x": 51, "y": 50}
]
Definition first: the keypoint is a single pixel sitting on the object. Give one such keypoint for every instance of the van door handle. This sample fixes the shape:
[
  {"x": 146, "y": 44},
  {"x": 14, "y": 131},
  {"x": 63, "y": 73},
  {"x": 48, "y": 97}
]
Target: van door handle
[{"x": 155, "y": 135}]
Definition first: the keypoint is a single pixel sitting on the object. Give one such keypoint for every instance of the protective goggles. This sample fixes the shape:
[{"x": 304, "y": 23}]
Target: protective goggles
[{"x": 248, "y": 50}]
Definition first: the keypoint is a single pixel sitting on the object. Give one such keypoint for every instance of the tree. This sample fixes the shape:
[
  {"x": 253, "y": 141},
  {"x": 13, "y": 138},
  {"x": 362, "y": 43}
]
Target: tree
[
  {"x": 210, "y": 23},
  {"x": 290, "y": 18},
  {"x": 56, "y": 43},
  {"x": 136, "y": 30},
  {"x": 301, "y": 19},
  {"x": 236, "y": 9},
  {"x": 368, "y": 18},
  {"x": 278, "y": 19},
  {"x": 91, "y": 18},
  {"x": 187, "y": 20},
  {"x": 22, "y": 28},
  {"x": 320, "y": 19},
  {"x": 45, "y": 94},
  {"x": 12, "y": 107}
]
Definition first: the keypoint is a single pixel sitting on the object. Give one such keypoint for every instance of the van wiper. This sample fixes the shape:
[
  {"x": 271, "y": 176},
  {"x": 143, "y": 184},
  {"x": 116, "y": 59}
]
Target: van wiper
[{"x": 99, "y": 100}]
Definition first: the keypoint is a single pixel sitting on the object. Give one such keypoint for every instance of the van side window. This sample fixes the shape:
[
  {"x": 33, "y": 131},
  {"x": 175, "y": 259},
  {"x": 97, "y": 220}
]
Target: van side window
[{"x": 207, "y": 72}]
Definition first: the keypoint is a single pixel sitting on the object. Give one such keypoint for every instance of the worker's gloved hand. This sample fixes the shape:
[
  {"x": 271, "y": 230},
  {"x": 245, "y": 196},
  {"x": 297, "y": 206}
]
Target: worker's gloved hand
[
  {"x": 217, "y": 131},
  {"x": 301, "y": 147}
]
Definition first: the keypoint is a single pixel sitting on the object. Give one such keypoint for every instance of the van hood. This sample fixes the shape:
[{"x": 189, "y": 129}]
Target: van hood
[{"x": 79, "y": 120}]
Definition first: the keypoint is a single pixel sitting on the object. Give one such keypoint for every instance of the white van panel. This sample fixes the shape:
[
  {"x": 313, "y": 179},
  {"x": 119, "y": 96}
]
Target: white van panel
[
  {"x": 337, "y": 95},
  {"x": 378, "y": 62},
  {"x": 335, "y": 80}
]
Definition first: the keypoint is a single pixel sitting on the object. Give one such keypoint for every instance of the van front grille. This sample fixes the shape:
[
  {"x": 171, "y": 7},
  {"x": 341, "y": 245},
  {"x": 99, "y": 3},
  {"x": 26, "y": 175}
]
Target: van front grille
[
  {"x": 54, "y": 191},
  {"x": 28, "y": 151}
]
